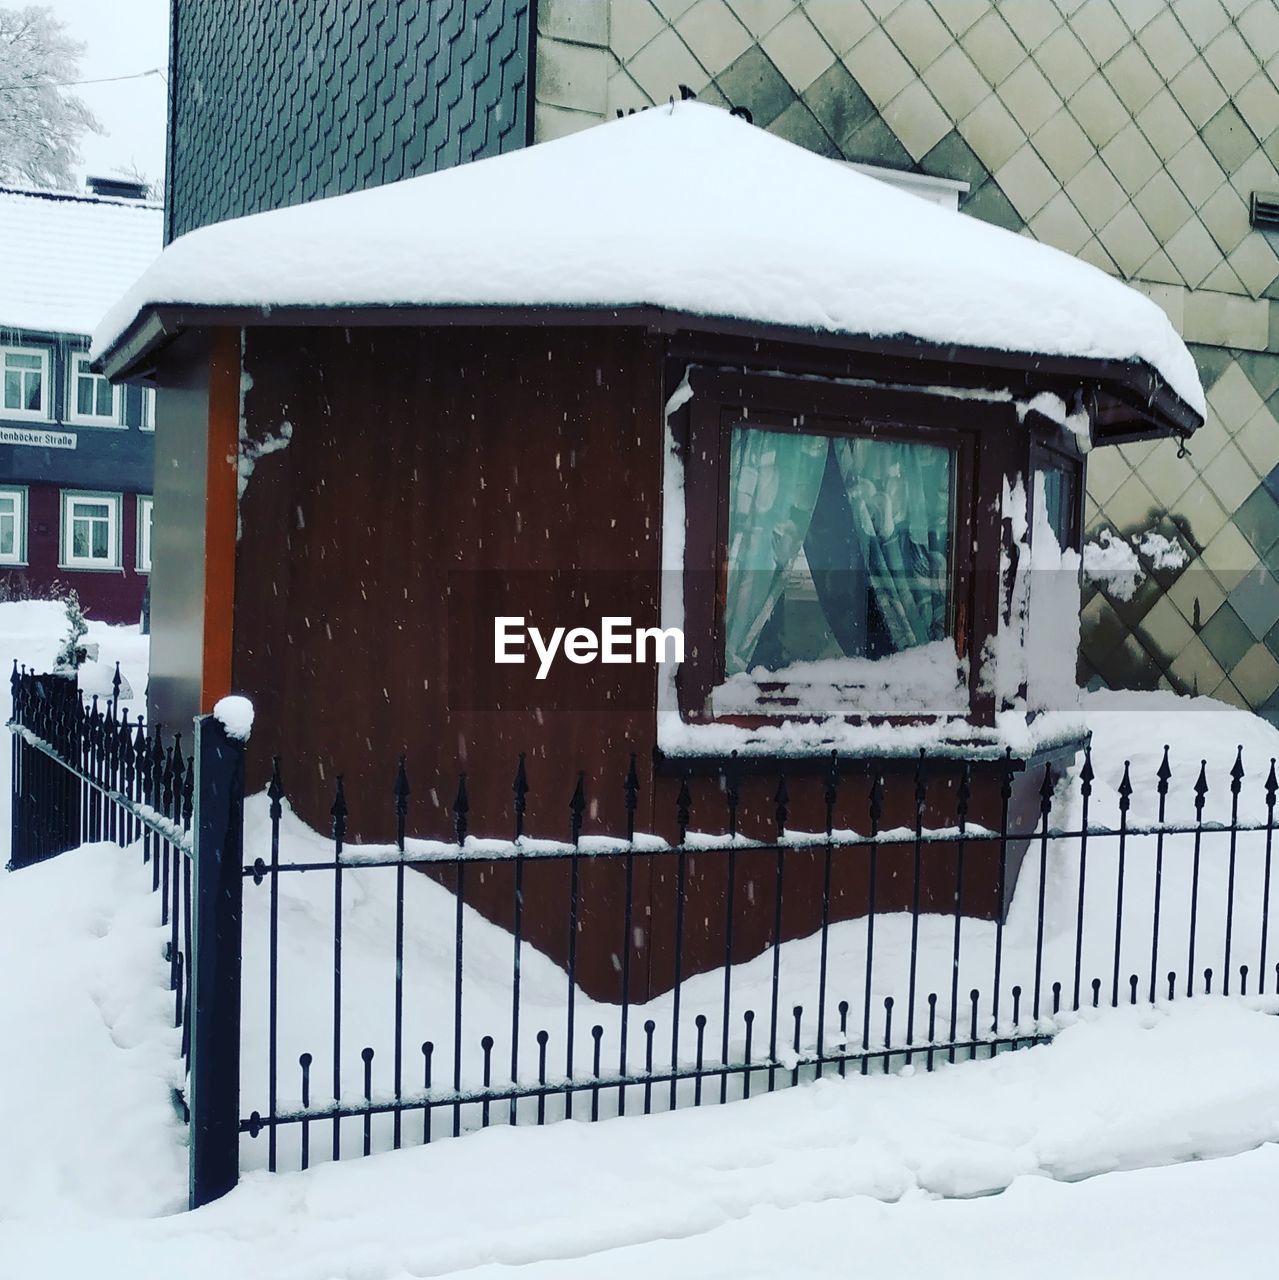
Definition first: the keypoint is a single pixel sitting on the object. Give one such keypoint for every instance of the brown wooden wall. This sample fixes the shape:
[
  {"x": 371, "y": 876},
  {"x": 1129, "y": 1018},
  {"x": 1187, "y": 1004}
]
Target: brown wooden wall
[
  {"x": 433, "y": 479},
  {"x": 431, "y": 475}
]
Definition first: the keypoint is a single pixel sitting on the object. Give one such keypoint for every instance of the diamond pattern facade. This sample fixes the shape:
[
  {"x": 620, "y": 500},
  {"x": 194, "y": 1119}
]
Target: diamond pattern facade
[
  {"x": 1128, "y": 132},
  {"x": 274, "y": 103}
]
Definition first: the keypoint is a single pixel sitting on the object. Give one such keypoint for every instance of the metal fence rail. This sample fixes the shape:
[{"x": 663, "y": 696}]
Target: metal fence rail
[
  {"x": 896, "y": 987},
  {"x": 84, "y": 773},
  {"x": 401, "y": 993}
]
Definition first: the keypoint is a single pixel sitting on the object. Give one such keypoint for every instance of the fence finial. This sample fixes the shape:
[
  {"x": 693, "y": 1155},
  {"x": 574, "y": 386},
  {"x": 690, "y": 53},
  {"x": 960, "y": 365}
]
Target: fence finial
[
  {"x": 831, "y": 794},
  {"x": 401, "y": 791},
  {"x": 461, "y": 807},
  {"x": 275, "y": 790},
  {"x": 732, "y": 793},
  {"x": 519, "y": 793},
  {"x": 577, "y": 806},
  {"x": 1125, "y": 789},
  {"x": 876, "y": 802},
  {"x": 1201, "y": 789},
  {"x": 630, "y": 798},
  {"x": 1272, "y": 784},
  {"x": 338, "y": 812},
  {"x": 1236, "y": 772},
  {"x": 1164, "y": 773}
]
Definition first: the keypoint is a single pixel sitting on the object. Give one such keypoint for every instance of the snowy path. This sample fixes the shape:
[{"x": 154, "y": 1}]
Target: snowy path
[
  {"x": 1081, "y": 1138},
  {"x": 823, "y": 1180}
]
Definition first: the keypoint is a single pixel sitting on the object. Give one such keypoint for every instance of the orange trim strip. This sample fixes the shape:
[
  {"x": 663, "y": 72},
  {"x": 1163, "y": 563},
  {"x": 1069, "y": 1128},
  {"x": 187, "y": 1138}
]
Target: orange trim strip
[{"x": 221, "y": 511}]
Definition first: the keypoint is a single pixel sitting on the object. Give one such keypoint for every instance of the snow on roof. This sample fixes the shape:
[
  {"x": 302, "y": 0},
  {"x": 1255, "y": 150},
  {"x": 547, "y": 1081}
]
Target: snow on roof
[
  {"x": 68, "y": 257},
  {"x": 685, "y": 208}
]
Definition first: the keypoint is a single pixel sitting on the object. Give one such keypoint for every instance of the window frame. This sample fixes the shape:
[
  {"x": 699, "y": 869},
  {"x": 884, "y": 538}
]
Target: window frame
[
  {"x": 147, "y": 410},
  {"x": 68, "y": 561},
  {"x": 45, "y": 412},
  {"x": 19, "y": 557},
  {"x": 1060, "y": 454},
  {"x": 144, "y": 502},
  {"x": 113, "y": 421},
  {"x": 724, "y": 401}
]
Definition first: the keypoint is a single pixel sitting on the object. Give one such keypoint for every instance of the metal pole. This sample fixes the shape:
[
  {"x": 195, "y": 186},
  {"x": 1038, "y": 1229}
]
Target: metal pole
[{"x": 215, "y": 972}]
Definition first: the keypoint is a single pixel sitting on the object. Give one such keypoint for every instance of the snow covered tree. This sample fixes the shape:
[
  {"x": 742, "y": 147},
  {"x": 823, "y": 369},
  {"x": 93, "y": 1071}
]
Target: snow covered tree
[
  {"x": 40, "y": 122},
  {"x": 77, "y": 628}
]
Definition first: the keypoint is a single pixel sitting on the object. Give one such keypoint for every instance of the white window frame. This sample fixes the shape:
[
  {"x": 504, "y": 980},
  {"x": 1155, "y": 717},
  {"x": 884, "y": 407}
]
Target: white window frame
[
  {"x": 45, "y": 412},
  {"x": 145, "y": 513},
  {"x": 19, "y": 494},
  {"x": 66, "y": 560},
  {"x": 112, "y": 419},
  {"x": 148, "y": 409}
]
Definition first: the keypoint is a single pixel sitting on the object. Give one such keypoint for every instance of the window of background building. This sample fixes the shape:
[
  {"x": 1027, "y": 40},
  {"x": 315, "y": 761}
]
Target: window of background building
[
  {"x": 93, "y": 399},
  {"x": 144, "y": 534},
  {"x": 13, "y": 526},
  {"x": 90, "y": 531},
  {"x": 24, "y": 374}
]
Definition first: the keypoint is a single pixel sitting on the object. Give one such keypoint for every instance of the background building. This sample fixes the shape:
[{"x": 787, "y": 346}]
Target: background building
[
  {"x": 75, "y": 453},
  {"x": 1133, "y": 133}
]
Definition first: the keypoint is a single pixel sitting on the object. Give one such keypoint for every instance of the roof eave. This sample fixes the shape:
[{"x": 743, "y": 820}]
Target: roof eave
[{"x": 1133, "y": 401}]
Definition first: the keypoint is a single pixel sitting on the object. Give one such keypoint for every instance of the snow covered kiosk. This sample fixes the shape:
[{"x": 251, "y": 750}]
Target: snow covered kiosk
[{"x": 673, "y": 370}]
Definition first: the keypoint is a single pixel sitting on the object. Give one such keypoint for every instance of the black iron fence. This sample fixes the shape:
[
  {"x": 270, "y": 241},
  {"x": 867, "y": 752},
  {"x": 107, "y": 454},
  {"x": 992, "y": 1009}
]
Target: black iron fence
[
  {"x": 84, "y": 773},
  {"x": 397, "y": 994},
  {"x": 437, "y": 1041}
]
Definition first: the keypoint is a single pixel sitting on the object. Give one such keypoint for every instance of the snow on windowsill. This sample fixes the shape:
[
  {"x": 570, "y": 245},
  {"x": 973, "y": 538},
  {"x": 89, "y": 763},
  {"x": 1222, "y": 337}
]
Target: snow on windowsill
[
  {"x": 924, "y": 681},
  {"x": 944, "y": 735}
]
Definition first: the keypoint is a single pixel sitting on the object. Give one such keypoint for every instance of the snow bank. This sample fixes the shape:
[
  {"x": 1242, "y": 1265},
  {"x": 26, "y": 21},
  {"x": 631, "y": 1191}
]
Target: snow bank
[
  {"x": 744, "y": 1190},
  {"x": 90, "y": 1052},
  {"x": 829, "y": 249}
]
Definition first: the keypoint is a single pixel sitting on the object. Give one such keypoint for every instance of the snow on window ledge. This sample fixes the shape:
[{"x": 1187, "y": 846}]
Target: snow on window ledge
[{"x": 925, "y": 681}]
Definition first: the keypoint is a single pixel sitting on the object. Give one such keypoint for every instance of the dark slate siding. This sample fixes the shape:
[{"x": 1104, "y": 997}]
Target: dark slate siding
[{"x": 274, "y": 103}]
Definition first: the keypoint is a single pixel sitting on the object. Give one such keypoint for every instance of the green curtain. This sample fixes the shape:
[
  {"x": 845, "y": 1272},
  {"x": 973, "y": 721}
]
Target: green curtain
[
  {"x": 775, "y": 479},
  {"x": 900, "y": 496}
]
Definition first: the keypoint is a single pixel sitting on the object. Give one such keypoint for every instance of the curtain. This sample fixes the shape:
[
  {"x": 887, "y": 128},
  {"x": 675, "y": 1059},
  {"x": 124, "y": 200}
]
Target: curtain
[
  {"x": 775, "y": 478},
  {"x": 900, "y": 497}
]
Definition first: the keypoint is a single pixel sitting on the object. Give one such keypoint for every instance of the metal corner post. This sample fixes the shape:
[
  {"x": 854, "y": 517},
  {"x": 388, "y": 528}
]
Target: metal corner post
[{"x": 218, "y": 857}]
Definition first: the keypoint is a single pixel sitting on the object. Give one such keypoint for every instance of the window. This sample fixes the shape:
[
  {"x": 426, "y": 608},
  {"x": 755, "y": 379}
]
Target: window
[
  {"x": 90, "y": 531},
  {"x": 835, "y": 562},
  {"x": 144, "y": 534},
  {"x": 148, "y": 408},
  {"x": 93, "y": 399},
  {"x": 13, "y": 526},
  {"x": 1059, "y": 490},
  {"x": 25, "y": 372},
  {"x": 838, "y": 547}
]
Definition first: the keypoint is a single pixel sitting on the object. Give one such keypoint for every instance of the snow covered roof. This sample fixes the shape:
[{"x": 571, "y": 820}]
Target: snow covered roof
[
  {"x": 69, "y": 257},
  {"x": 683, "y": 208}
]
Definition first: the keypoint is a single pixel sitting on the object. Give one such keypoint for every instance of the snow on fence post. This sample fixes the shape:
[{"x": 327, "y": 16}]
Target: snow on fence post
[{"x": 217, "y": 861}]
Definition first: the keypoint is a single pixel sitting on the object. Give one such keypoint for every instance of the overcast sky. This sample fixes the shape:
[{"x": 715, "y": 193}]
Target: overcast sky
[{"x": 121, "y": 37}]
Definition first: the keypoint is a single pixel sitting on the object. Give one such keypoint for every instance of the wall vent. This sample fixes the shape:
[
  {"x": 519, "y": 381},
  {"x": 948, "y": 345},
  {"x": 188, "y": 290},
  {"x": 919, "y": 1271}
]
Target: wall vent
[{"x": 1263, "y": 209}]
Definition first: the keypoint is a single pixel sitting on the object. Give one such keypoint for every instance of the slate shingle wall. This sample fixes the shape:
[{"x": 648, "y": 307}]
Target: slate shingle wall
[{"x": 273, "y": 103}]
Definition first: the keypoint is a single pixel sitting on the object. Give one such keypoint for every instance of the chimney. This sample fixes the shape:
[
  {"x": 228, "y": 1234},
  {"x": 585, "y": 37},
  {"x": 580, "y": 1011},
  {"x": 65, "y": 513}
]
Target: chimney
[{"x": 120, "y": 188}]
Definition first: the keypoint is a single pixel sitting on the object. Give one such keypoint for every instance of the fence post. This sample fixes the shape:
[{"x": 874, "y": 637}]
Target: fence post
[{"x": 215, "y": 971}]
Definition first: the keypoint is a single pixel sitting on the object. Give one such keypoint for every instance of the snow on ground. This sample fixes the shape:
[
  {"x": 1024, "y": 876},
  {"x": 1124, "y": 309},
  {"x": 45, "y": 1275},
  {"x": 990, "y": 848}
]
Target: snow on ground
[
  {"x": 831, "y": 1178},
  {"x": 1127, "y": 727},
  {"x": 31, "y": 632}
]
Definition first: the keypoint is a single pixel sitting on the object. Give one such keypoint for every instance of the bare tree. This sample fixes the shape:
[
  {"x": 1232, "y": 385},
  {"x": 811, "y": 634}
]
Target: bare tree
[
  {"x": 40, "y": 122},
  {"x": 136, "y": 173}
]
